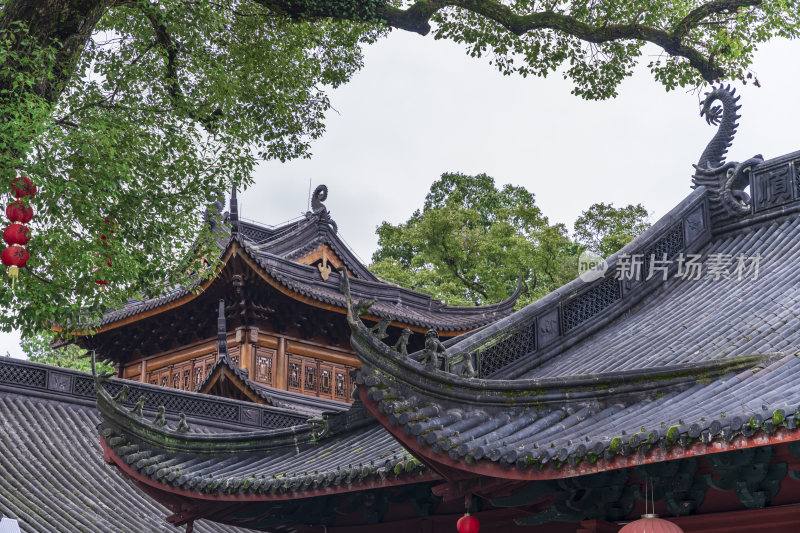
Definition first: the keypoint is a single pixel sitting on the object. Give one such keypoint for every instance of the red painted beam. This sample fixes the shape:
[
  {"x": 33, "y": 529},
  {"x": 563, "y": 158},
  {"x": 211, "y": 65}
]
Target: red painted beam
[
  {"x": 656, "y": 455},
  {"x": 768, "y": 520}
]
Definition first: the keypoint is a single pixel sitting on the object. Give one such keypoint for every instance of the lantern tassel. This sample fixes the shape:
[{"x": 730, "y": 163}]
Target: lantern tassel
[{"x": 13, "y": 273}]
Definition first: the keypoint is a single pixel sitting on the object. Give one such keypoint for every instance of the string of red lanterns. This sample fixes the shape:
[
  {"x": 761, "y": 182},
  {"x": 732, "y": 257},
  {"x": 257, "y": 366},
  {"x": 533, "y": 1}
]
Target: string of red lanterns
[{"x": 17, "y": 235}]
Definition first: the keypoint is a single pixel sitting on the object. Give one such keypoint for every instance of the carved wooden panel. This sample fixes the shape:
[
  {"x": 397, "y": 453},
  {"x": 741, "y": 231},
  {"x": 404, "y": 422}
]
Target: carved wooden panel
[
  {"x": 294, "y": 379},
  {"x": 326, "y": 380},
  {"x": 341, "y": 384},
  {"x": 184, "y": 376},
  {"x": 317, "y": 377},
  {"x": 310, "y": 376},
  {"x": 265, "y": 359},
  {"x": 234, "y": 355}
]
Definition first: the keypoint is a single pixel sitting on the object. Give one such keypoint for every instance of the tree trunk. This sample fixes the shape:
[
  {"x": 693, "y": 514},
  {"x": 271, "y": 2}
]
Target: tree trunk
[{"x": 65, "y": 25}]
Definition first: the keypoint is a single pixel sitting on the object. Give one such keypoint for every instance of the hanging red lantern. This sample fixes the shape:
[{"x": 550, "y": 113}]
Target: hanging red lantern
[
  {"x": 23, "y": 186},
  {"x": 651, "y": 523},
  {"x": 19, "y": 211},
  {"x": 17, "y": 234},
  {"x": 14, "y": 257},
  {"x": 468, "y": 524}
]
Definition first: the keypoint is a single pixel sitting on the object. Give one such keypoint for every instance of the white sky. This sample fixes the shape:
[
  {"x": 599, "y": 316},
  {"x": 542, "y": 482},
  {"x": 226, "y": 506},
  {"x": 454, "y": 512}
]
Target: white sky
[{"x": 422, "y": 107}]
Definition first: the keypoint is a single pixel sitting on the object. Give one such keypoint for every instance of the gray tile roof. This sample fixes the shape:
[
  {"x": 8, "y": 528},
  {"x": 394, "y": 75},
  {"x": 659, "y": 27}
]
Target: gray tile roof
[
  {"x": 347, "y": 450},
  {"x": 54, "y": 478},
  {"x": 699, "y": 320},
  {"x": 594, "y": 420},
  {"x": 395, "y": 303}
]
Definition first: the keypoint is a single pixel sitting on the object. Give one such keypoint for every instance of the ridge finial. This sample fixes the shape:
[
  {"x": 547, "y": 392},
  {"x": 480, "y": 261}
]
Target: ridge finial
[
  {"x": 222, "y": 332},
  {"x": 234, "y": 213}
]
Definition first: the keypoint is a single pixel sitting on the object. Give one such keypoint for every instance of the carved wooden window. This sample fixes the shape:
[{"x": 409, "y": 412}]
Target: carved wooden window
[
  {"x": 176, "y": 380},
  {"x": 325, "y": 380},
  {"x": 186, "y": 374},
  {"x": 320, "y": 378},
  {"x": 233, "y": 353},
  {"x": 295, "y": 374},
  {"x": 310, "y": 376},
  {"x": 264, "y": 360},
  {"x": 340, "y": 384},
  {"x": 199, "y": 375}
]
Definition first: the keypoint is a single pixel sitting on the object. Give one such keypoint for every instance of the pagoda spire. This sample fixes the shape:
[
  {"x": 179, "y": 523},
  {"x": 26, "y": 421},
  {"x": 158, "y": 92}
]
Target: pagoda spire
[
  {"x": 234, "y": 213},
  {"x": 222, "y": 332}
]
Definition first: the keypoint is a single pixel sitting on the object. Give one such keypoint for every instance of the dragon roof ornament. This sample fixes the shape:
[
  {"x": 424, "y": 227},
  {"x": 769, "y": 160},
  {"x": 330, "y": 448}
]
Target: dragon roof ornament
[
  {"x": 726, "y": 181},
  {"x": 318, "y": 209}
]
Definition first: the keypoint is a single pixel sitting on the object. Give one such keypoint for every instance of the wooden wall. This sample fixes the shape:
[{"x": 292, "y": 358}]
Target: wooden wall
[{"x": 272, "y": 359}]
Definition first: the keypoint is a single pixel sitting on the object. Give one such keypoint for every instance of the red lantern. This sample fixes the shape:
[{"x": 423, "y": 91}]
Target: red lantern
[
  {"x": 651, "y": 523},
  {"x": 14, "y": 257},
  {"x": 19, "y": 211},
  {"x": 23, "y": 186},
  {"x": 16, "y": 234},
  {"x": 468, "y": 524}
]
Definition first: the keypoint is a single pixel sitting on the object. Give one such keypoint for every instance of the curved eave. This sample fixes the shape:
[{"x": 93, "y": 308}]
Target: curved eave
[
  {"x": 237, "y": 249},
  {"x": 117, "y": 417},
  {"x": 439, "y": 385},
  {"x": 357, "y": 486},
  {"x": 228, "y": 462},
  {"x": 582, "y": 468}
]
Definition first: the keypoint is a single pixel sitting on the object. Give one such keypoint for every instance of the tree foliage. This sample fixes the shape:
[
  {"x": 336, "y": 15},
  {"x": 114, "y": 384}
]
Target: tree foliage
[
  {"x": 131, "y": 115},
  {"x": 170, "y": 104},
  {"x": 469, "y": 242},
  {"x": 38, "y": 348},
  {"x": 604, "y": 229}
]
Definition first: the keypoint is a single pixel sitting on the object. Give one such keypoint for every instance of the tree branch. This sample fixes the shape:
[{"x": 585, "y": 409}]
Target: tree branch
[
  {"x": 712, "y": 8},
  {"x": 416, "y": 18},
  {"x": 165, "y": 40}
]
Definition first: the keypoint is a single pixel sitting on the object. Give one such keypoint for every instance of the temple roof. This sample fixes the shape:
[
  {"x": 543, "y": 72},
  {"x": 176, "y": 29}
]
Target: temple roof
[
  {"x": 54, "y": 476},
  {"x": 346, "y": 451},
  {"x": 280, "y": 254},
  {"x": 615, "y": 364},
  {"x": 611, "y": 371}
]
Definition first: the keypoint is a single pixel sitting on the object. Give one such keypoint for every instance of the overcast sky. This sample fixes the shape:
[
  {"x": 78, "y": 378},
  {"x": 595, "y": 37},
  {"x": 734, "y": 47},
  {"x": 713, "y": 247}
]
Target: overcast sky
[{"x": 421, "y": 107}]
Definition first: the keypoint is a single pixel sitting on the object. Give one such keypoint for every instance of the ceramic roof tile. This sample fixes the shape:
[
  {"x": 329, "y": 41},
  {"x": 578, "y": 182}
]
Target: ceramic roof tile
[{"x": 55, "y": 480}]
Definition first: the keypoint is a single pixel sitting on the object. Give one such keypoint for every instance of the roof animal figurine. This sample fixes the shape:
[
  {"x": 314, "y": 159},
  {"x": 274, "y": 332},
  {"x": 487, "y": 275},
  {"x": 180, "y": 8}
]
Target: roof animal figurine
[
  {"x": 122, "y": 395},
  {"x": 183, "y": 425},
  {"x": 435, "y": 352},
  {"x": 401, "y": 346},
  {"x": 161, "y": 417},
  {"x": 727, "y": 179},
  {"x": 137, "y": 409}
]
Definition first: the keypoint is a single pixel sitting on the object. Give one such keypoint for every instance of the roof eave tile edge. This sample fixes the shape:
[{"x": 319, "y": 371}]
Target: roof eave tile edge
[
  {"x": 788, "y": 431},
  {"x": 417, "y": 474}
]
